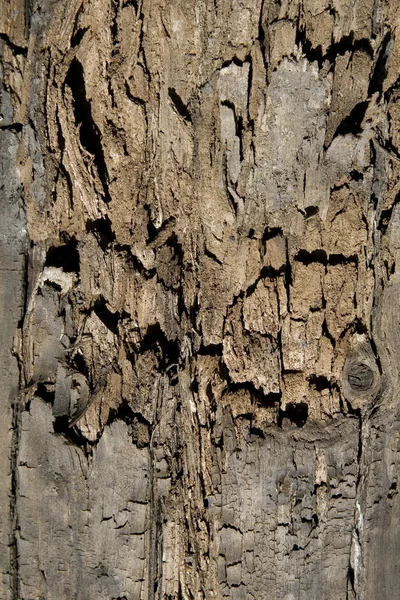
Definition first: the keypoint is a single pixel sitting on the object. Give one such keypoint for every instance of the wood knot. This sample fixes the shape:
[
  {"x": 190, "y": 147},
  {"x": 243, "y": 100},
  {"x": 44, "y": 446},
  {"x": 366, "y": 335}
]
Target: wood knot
[
  {"x": 361, "y": 381},
  {"x": 360, "y": 376}
]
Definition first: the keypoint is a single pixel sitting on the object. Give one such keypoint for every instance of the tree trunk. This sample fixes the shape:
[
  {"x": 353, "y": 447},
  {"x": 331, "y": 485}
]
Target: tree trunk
[{"x": 199, "y": 252}]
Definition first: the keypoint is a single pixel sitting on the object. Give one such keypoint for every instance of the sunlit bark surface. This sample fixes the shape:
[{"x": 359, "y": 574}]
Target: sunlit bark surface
[{"x": 199, "y": 290}]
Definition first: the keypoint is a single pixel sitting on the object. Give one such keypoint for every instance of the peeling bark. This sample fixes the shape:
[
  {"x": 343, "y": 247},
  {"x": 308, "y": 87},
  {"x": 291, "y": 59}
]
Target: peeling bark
[{"x": 200, "y": 299}]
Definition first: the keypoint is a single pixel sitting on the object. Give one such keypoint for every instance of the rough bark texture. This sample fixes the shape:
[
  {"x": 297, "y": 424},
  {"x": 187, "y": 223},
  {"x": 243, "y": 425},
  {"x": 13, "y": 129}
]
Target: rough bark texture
[{"x": 199, "y": 254}]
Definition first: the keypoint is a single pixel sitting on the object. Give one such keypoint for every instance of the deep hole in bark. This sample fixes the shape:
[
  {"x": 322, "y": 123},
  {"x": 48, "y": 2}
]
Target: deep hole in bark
[
  {"x": 102, "y": 230},
  {"x": 177, "y": 249},
  {"x": 385, "y": 219},
  {"x": 46, "y": 392},
  {"x": 359, "y": 327},
  {"x": 356, "y": 175},
  {"x": 327, "y": 333},
  {"x": 65, "y": 257},
  {"x": 311, "y": 211},
  {"x": 295, "y": 547},
  {"x": 270, "y": 400},
  {"x": 296, "y": 413},
  {"x": 256, "y": 431},
  {"x": 319, "y": 382},
  {"x": 167, "y": 351},
  {"x": 272, "y": 232}
]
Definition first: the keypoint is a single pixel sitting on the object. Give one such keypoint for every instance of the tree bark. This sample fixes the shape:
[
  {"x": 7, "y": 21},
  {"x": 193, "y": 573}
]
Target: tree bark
[{"x": 200, "y": 299}]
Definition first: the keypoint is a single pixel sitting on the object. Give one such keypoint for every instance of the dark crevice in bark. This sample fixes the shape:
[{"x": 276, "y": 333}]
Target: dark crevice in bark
[
  {"x": 320, "y": 382},
  {"x": 14, "y": 127},
  {"x": 76, "y": 27},
  {"x": 18, "y": 50},
  {"x": 211, "y": 255},
  {"x": 89, "y": 133},
  {"x": 350, "y": 579},
  {"x": 156, "y": 518},
  {"x": 131, "y": 3},
  {"x": 239, "y": 129},
  {"x": 340, "y": 259},
  {"x": 25, "y": 281},
  {"x": 386, "y": 215},
  {"x": 211, "y": 350},
  {"x": 153, "y": 232},
  {"x": 346, "y": 44},
  {"x": 233, "y": 61},
  {"x": 351, "y": 125},
  {"x": 78, "y": 362},
  {"x": 77, "y": 36},
  {"x": 316, "y": 256},
  {"x": 179, "y": 105},
  {"x": 108, "y": 318},
  {"x": 29, "y": 7},
  {"x": 261, "y": 39},
  {"x": 389, "y": 147},
  {"x": 266, "y": 272},
  {"x": 62, "y": 426},
  {"x": 380, "y": 69},
  {"x": 136, "y": 422},
  {"x": 167, "y": 351},
  {"x": 134, "y": 99},
  {"x": 249, "y": 91},
  {"x": 114, "y": 24},
  {"x": 327, "y": 333},
  {"x": 135, "y": 261},
  {"x": 320, "y": 256},
  {"x": 360, "y": 474},
  {"x": 257, "y": 432},
  {"x": 61, "y": 167},
  {"x": 270, "y": 400},
  {"x": 14, "y": 521},
  {"x": 288, "y": 280}
]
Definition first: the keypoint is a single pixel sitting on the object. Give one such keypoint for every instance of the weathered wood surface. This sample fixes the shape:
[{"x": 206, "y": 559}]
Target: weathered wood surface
[{"x": 200, "y": 299}]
